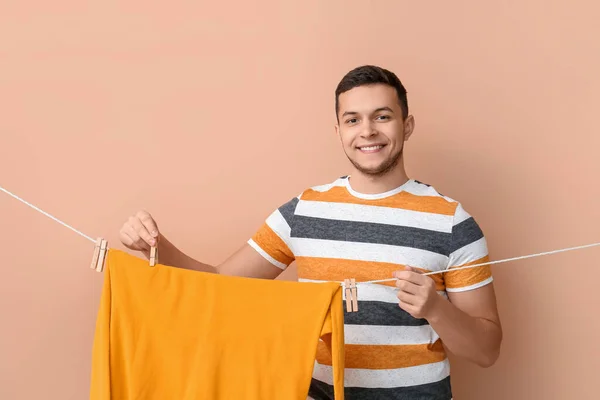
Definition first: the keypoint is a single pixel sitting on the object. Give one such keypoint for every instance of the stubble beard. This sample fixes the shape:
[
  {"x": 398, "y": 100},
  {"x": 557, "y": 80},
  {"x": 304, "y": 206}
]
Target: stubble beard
[{"x": 381, "y": 170}]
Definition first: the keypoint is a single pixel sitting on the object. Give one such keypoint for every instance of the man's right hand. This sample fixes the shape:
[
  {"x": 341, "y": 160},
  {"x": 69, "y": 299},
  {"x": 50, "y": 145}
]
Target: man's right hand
[{"x": 140, "y": 232}]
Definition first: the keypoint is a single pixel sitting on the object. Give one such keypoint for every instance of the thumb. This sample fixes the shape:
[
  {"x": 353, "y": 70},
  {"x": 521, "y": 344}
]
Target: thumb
[
  {"x": 406, "y": 268},
  {"x": 412, "y": 269}
]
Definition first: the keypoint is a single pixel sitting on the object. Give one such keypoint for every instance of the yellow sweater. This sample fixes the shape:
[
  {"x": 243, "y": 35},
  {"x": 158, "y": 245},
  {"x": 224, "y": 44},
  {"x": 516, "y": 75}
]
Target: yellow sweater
[{"x": 173, "y": 334}]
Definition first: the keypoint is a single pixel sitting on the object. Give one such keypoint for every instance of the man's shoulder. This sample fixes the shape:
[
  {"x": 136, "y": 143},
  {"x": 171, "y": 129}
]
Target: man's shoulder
[
  {"x": 420, "y": 188},
  {"x": 429, "y": 191},
  {"x": 454, "y": 206}
]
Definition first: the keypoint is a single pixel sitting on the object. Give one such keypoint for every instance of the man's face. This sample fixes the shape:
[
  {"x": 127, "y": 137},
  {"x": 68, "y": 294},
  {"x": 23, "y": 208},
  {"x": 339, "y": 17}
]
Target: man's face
[{"x": 372, "y": 128}]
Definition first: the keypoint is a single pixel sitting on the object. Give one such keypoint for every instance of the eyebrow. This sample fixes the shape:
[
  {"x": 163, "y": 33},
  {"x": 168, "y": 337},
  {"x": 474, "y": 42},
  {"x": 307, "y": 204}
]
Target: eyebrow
[{"x": 376, "y": 110}]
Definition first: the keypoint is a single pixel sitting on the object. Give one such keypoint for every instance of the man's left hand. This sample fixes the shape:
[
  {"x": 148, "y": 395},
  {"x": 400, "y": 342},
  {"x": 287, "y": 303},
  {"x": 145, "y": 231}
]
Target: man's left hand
[{"x": 417, "y": 293}]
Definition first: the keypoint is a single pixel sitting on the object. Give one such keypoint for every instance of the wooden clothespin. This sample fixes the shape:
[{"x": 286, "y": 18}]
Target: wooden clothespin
[
  {"x": 351, "y": 297},
  {"x": 100, "y": 250},
  {"x": 153, "y": 256}
]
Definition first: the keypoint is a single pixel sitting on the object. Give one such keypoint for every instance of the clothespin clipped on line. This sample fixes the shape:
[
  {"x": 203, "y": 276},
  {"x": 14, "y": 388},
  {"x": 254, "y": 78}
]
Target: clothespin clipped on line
[
  {"x": 153, "y": 256},
  {"x": 351, "y": 295},
  {"x": 101, "y": 249}
]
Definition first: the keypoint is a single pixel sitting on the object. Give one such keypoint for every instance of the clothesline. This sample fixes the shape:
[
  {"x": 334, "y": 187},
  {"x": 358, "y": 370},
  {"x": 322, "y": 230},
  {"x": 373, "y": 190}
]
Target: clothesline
[
  {"x": 494, "y": 262},
  {"x": 46, "y": 214},
  {"x": 357, "y": 283}
]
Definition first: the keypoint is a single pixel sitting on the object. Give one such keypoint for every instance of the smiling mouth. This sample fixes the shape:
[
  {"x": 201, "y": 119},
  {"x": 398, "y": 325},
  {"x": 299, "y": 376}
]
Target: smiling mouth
[{"x": 371, "y": 149}]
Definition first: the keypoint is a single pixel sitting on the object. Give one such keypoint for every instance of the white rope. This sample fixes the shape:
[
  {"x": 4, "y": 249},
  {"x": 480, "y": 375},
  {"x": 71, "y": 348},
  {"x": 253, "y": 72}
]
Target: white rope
[
  {"x": 489, "y": 263},
  {"x": 357, "y": 283},
  {"x": 46, "y": 214}
]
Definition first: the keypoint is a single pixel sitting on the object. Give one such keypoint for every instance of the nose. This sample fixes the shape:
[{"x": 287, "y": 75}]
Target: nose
[{"x": 368, "y": 129}]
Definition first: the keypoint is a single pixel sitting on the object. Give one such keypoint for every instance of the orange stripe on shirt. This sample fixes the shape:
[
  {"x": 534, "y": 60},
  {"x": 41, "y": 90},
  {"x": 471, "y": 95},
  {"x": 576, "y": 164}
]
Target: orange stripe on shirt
[
  {"x": 271, "y": 243},
  {"x": 385, "y": 356},
  {"x": 402, "y": 200},
  {"x": 329, "y": 269},
  {"x": 469, "y": 276}
]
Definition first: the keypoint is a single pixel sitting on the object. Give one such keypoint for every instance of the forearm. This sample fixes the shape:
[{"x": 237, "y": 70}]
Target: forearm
[
  {"x": 473, "y": 338},
  {"x": 169, "y": 254}
]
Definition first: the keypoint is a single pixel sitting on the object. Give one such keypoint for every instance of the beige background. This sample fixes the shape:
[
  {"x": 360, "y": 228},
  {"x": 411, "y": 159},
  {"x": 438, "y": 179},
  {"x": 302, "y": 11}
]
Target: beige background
[{"x": 210, "y": 115}]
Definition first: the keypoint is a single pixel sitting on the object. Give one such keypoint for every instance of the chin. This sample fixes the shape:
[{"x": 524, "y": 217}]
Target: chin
[
  {"x": 376, "y": 169},
  {"x": 373, "y": 170}
]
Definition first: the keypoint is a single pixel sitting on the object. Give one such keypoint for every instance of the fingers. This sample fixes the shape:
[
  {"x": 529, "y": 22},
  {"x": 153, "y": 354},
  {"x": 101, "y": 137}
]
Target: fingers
[
  {"x": 136, "y": 239},
  {"x": 406, "y": 298},
  {"x": 409, "y": 276},
  {"x": 139, "y": 232},
  {"x": 416, "y": 292},
  {"x": 149, "y": 223},
  {"x": 407, "y": 286},
  {"x": 127, "y": 240}
]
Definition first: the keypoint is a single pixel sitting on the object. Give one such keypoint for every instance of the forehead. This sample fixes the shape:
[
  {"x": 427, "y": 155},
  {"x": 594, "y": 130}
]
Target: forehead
[{"x": 366, "y": 98}]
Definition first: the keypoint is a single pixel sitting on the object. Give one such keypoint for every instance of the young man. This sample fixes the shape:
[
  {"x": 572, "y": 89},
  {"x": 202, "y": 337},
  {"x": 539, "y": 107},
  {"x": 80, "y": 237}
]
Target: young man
[{"x": 375, "y": 223}]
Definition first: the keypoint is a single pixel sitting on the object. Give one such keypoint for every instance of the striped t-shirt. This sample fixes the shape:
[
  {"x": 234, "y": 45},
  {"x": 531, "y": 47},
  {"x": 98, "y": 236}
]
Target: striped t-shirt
[{"x": 332, "y": 233}]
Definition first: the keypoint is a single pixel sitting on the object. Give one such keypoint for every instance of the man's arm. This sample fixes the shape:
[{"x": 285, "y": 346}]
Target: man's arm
[
  {"x": 469, "y": 325},
  {"x": 169, "y": 254},
  {"x": 468, "y": 321},
  {"x": 247, "y": 262},
  {"x": 266, "y": 254},
  {"x": 243, "y": 262}
]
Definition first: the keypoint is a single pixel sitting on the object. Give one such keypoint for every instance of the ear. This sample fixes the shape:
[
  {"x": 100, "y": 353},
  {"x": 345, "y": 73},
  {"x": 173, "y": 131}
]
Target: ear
[
  {"x": 337, "y": 129},
  {"x": 409, "y": 126}
]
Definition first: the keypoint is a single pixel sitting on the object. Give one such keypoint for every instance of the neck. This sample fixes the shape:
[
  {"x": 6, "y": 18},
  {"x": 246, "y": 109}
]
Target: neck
[{"x": 369, "y": 184}]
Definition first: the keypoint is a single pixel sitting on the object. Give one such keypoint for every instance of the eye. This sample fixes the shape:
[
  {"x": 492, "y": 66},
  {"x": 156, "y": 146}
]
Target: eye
[
  {"x": 351, "y": 120},
  {"x": 384, "y": 117}
]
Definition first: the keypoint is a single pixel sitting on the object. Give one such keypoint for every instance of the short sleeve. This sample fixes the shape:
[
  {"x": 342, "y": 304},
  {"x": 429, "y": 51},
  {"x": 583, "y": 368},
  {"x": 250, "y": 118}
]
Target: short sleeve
[
  {"x": 468, "y": 246},
  {"x": 272, "y": 239}
]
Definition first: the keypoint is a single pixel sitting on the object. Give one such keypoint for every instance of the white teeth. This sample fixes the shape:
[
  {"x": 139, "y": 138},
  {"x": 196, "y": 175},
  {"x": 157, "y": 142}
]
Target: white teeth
[{"x": 369, "y": 148}]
